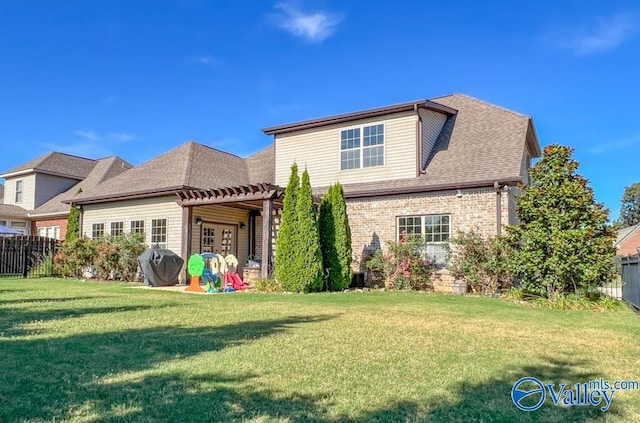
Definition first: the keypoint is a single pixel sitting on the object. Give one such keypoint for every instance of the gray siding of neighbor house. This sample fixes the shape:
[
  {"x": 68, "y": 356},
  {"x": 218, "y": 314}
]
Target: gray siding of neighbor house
[
  {"x": 48, "y": 186},
  {"x": 432, "y": 123}
]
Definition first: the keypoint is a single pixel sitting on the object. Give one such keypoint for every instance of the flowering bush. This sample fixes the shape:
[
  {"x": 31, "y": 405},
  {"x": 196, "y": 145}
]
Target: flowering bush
[{"x": 404, "y": 265}]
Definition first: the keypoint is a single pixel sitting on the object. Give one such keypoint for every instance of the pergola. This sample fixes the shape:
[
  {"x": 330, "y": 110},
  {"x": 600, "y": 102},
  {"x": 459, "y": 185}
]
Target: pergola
[{"x": 263, "y": 197}]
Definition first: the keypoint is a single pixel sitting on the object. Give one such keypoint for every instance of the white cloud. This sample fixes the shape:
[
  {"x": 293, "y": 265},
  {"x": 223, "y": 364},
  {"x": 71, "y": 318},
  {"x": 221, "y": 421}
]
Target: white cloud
[
  {"x": 605, "y": 34},
  {"x": 89, "y": 135},
  {"x": 90, "y": 149},
  {"x": 117, "y": 136},
  {"x": 615, "y": 145},
  {"x": 206, "y": 60},
  {"x": 314, "y": 27}
]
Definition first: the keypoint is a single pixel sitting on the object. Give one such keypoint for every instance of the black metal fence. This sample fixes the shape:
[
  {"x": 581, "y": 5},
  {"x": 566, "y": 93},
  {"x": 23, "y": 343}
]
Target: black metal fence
[
  {"x": 631, "y": 280},
  {"x": 27, "y": 256}
]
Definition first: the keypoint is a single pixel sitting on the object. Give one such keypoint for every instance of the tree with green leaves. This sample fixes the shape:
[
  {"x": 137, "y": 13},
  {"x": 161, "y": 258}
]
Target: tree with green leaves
[
  {"x": 630, "y": 210},
  {"x": 73, "y": 224},
  {"x": 335, "y": 238},
  {"x": 286, "y": 248},
  {"x": 564, "y": 243},
  {"x": 308, "y": 269}
]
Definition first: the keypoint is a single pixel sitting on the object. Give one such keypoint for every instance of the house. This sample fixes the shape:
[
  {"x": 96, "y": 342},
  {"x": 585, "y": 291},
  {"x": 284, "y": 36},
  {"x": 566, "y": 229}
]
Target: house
[
  {"x": 430, "y": 167},
  {"x": 628, "y": 241},
  {"x": 35, "y": 190}
]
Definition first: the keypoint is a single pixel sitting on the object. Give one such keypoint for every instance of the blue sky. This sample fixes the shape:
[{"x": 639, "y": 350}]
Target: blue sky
[{"x": 136, "y": 78}]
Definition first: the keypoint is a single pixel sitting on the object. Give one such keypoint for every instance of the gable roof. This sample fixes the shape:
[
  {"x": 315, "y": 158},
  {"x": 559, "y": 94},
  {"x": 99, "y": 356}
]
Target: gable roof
[
  {"x": 624, "y": 233},
  {"x": 54, "y": 163},
  {"x": 11, "y": 210},
  {"x": 188, "y": 166},
  {"x": 103, "y": 170}
]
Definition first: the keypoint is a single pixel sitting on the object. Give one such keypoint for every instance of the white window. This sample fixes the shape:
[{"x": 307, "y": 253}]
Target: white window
[
  {"x": 117, "y": 228},
  {"x": 18, "y": 224},
  {"x": 49, "y": 231},
  {"x": 97, "y": 231},
  {"x": 3, "y": 222},
  {"x": 359, "y": 152},
  {"x": 137, "y": 226},
  {"x": 436, "y": 229},
  {"x": 159, "y": 232},
  {"x": 19, "y": 191}
]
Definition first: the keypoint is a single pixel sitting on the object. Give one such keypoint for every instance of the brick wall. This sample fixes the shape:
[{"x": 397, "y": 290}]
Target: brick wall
[
  {"x": 630, "y": 245},
  {"x": 62, "y": 222},
  {"x": 373, "y": 220}
]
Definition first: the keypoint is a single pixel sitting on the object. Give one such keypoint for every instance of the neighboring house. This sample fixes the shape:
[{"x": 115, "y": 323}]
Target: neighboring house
[
  {"x": 628, "y": 241},
  {"x": 34, "y": 191}
]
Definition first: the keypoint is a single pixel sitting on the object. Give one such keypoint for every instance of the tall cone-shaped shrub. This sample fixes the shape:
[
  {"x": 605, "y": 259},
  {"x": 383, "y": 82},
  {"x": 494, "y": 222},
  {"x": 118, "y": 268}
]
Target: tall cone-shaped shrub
[
  {"x": 335, "y": 238},
  {"x": 286, "y": 248},
  {"x": 308, "y": 267}
]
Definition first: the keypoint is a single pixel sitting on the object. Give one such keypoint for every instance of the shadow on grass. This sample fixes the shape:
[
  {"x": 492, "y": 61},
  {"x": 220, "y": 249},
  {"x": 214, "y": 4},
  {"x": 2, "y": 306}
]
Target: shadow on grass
[
  {"x": 49, "y": 300},
  {"x": 53, "y": 378},
  {"x": 11, "y": 319}
]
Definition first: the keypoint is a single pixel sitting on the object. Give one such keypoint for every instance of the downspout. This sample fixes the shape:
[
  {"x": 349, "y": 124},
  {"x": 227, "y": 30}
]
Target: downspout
[
  {"x": 418, "y": 142},
  {"x": 496, "y": 186}
]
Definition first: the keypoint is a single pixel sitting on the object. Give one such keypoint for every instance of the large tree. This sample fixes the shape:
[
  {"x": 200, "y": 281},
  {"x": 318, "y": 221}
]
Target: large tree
[
  {"x": 335, "y": 238},
  {"x": 630, "y": 210},
  {"x": 564, "y": 242}
]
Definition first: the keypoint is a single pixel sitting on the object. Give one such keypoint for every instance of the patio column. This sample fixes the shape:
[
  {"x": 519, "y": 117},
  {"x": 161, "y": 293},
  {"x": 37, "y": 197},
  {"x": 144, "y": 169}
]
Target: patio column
[
  {"x": 267, "y": 224},
  {"x": 187, "y": 231}
]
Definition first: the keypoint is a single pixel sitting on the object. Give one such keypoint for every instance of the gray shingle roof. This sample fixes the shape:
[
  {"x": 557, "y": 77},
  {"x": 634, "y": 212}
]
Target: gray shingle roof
[
  {"x": 57, "y": 163},
  {"x": 11, "y": 210},
  {"x": 103, "y": 170},
  {"x": 190, "y": 165}
]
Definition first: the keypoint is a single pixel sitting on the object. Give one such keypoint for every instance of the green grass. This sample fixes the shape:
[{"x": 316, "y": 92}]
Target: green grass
[{"x": 97, "y": 352}]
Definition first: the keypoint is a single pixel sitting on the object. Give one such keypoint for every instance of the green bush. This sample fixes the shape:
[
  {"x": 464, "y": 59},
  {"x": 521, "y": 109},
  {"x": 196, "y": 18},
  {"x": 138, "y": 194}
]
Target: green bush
[
  {"x": 45, "y": 268},
  {"x": 130, "y": 246},
  {"x": 286, "y": 249},
  {"x": 74, "y": 257},
  {"x": 106, "y": 260},
  {"x": 335, "y": 238},
  {"x": 73, "y": 224},
  {"x": 267, "y": 285},
  {"x": 482, "y": 263},
  {"x": 403, "y": 265}
]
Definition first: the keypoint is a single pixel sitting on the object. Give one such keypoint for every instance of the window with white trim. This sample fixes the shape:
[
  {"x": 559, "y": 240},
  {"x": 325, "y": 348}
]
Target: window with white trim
[
  {"x": 137, "y": 226},
  {"x": 436, "y": 229},
  {"x": 159, "y": 232},
  {"x": 49, "y": 231},
  {"x": 358, "y": 152},
  {"x": 3, "y": 222},
  {"x": 19, "y": 186},
  {"x": 117, "y": 228},
  {"x": 97, "y": 231}
]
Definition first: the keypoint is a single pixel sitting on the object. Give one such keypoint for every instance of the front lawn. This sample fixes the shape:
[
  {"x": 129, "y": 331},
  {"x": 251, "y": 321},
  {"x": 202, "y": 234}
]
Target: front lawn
[{"x": 96, "y": 352}]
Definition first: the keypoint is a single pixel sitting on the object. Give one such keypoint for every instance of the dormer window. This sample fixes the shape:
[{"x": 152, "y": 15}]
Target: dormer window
[
  {"x": 358, "y": 152},
  {"x": 19, "y": 191}
]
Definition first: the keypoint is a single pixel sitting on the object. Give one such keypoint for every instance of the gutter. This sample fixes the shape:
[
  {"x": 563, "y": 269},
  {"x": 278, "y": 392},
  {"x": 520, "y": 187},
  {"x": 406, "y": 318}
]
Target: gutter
[
  {"x": 496, "y": 186},
  {"x": 422, "y": 188},
  {"x": 418, "y": 142}
]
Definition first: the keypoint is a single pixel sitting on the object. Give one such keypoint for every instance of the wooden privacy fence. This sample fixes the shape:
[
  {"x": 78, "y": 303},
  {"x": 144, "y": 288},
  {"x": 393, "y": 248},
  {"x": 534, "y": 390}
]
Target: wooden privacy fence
[
  {"x": 27, "y": 256},
  {"x": 631, "y": 280}
]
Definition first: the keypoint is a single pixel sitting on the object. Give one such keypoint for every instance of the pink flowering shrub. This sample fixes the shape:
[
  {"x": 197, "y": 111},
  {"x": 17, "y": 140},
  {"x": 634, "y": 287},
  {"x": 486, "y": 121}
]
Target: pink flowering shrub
[{"x": 403, "y": 264}]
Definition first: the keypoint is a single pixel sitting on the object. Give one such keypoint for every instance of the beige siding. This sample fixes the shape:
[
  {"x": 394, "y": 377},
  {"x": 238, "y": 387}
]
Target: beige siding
[
  {"x": 319, "y": 151},
  {"x": 28, "y": 191},
  {"x": 48, "y": 186},
  {"x": 432, "y": 123},
  {"x": 145, "y": 209},
  {"x": 228, "y": 216}
]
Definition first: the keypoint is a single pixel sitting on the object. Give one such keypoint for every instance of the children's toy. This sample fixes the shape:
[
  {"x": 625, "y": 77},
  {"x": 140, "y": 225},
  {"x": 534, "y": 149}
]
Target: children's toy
[
  {"x": 195, "y": 267},
  {"x": 231, "y": 277}
]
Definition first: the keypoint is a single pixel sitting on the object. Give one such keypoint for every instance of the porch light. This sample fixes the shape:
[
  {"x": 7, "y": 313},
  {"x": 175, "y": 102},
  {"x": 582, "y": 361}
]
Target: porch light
[
  {"x": 242, "y": 225},
  {"x": 198, "y": 220},
  {"x": 459, "y": 194}
]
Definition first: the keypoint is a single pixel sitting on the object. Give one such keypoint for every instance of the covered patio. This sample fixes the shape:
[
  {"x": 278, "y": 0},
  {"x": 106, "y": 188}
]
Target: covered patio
[{"x": 241, "y": 220}]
